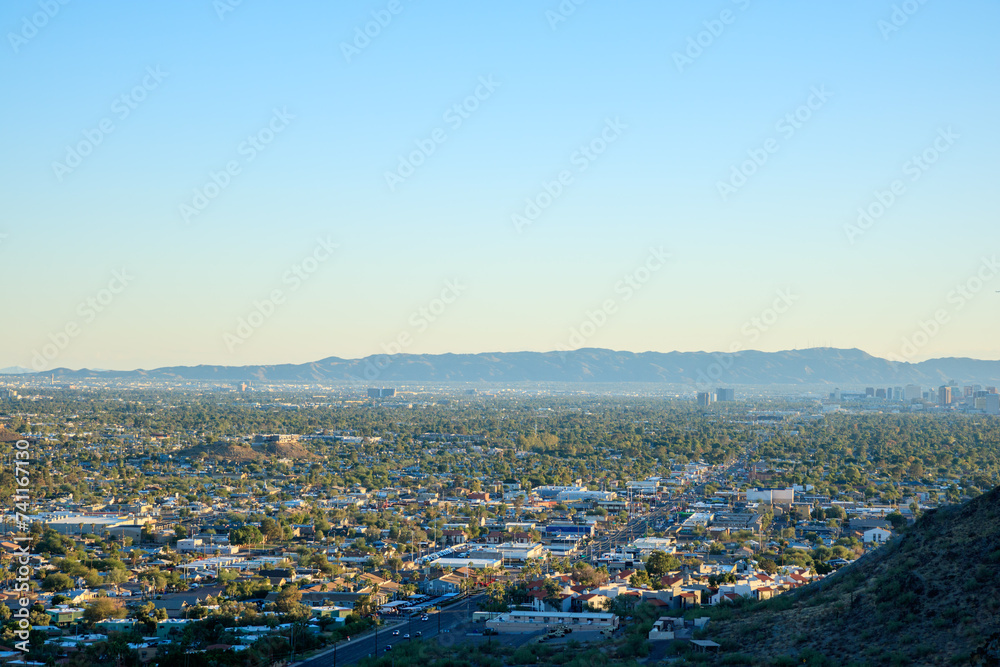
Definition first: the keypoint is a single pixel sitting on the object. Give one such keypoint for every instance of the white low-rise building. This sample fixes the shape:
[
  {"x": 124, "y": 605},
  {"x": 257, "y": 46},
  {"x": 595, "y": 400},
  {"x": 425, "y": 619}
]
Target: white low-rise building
[
  {"x": 208, "y": 565},
  {"x": 520, "y": 552},
  {"x": 876, "y": 535},
  {"x": 532, "y": 621},
  {"x": 647, "y": 545},
  {"x": 475, "y": 562}
]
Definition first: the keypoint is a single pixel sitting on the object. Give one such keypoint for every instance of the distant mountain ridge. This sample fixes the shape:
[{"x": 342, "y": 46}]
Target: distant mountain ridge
[
  {"x": 15, "y": 370},
  {"x": 830, "y": 366}
]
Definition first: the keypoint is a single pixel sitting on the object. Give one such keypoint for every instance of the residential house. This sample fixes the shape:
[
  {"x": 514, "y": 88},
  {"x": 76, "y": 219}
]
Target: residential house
[
  {"x": 448, "y": 583},
  {"x": 451, "y": 537},
  {"x": 589, "y": 602},
  {"x": 876, "y": 535},
  {"x": 115, "y": 625},
  {"x": 339, "y": 614},
  {"x": 64, "y": 614}
]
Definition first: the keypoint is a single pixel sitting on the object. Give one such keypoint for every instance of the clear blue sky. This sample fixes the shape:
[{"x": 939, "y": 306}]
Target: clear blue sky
[{"x": 344, "y": 118}]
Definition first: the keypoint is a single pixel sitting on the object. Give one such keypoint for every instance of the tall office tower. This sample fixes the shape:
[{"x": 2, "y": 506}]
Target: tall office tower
[
  {"x": 880, "y": 393},
  {"x": 869, "y": 392},
  {"x": 705, "y": 399},
  {"x": 944, "y": 395},
  {"x": 375, "y": 392},
  {"x": 898, "y": 394},
  {"x": 724, "y": 394},
  {"x": 912, "y": 391}
]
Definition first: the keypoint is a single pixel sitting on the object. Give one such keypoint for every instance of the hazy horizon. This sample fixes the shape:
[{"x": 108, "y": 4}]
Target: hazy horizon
[{"x": 715, "y": 353}]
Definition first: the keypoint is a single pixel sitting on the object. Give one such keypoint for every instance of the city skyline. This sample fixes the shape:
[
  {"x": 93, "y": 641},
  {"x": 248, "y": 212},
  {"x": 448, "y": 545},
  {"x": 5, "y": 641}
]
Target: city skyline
[{"x": 232, "y": 184}]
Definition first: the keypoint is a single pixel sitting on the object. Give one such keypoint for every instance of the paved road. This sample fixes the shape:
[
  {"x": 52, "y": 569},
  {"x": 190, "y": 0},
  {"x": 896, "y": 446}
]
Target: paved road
[
  {"x": 356, "y": 649},
  {"x": 635, "y": 528}
]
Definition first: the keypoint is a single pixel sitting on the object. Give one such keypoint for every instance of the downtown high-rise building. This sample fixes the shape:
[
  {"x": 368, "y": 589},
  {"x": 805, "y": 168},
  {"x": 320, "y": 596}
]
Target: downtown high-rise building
[
  {"x": 944, "y": 395},
  {"x": 375, "y": 392}
]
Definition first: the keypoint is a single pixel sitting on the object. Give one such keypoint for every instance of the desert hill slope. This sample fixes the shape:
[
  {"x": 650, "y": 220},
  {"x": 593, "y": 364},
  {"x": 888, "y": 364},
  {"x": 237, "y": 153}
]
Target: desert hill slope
[
  {"x": 929, "y": 597},
  {"x": 231, "y": 452}
]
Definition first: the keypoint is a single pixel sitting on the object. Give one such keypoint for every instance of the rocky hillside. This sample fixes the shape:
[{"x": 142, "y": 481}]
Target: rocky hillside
[
  {"x": 239, "y": 453},
  {"x": 283, "y": 450},
  {"x": 930, "y": 597},
  {"x": 222, "y": 451}
]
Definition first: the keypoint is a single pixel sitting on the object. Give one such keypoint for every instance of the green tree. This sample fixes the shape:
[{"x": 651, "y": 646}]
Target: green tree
[
  {"x": 57, "y": 581},
  {"x": 225, "y": 576},
  {"x": 640, "y": 578},
  {"x": 93, "y": 579},
  {"x": 768, "y": 565},
  {"x": 246, "y": 535},
  {"x": 117, "y": 576},
  {"x": 288, "y": 599},
  {"x": 660, "y": 563},
  {"x": 552, "y": 592},
  {"x": 102, "y": 608},
  {"x": 271, "y": 529}
]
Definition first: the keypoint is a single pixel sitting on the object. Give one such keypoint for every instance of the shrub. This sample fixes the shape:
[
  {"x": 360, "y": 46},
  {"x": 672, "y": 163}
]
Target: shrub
[
  {"x": 784, "y": 661},
  {"x": 814, "y": 658},
  {"x": 523, "y": 656}
]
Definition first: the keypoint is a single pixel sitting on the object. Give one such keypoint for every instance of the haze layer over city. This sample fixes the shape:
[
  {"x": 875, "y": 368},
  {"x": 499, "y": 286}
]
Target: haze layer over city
[{"x": 570, "y": 333}]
